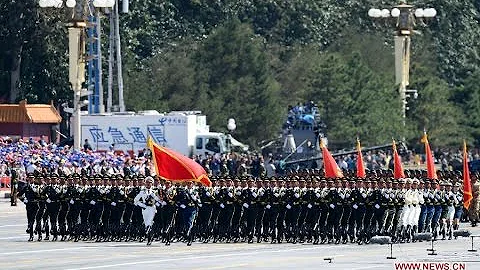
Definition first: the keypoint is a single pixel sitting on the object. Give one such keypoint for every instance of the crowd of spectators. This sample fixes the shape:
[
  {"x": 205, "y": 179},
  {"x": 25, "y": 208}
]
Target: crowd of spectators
[
  {"x": 301, "y": 115},
  {"x": 31, "y": 156}
]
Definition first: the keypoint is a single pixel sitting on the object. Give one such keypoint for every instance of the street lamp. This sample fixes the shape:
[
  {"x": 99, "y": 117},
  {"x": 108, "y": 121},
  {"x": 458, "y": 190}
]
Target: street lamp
[
  {"x": 76, "y": 51},
  {"x": 405, "y": 17}
]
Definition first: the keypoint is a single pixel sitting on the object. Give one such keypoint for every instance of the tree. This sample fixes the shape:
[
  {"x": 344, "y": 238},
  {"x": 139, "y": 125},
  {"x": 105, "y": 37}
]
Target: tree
[{"x": 233, "y": 79}]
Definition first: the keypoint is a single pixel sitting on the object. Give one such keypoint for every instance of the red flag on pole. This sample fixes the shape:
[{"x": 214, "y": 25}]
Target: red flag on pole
[
  {"x": 431, "y": 172},
  {"x": 467, "y": 187},
  {"x": 174, "y": 166},
  {"x": 360, "y": 166},
  {"x": 397, "y": 163},
  {"x": 330, "y": 166}
]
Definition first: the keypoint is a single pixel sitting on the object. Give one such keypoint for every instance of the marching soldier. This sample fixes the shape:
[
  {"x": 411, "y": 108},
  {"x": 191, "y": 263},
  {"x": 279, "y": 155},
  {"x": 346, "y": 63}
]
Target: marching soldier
[
  {"x": 146, "y": 200},
  {"x": 187, "y": 201},
  {"x": 169, "y": 211},
  {"x": 345, "y": 194},
  {"x": 64, "y": 206},
  {"x": 52, "y": 192},
  {"x": 355, "y": 226},
  {"x": 41, "y": 200},
  {"x": 323, "y": 204},
  {"x": 249, "y": 195},
  {"x": 474, "y": 209},
  {"x": 205, "y": 212},
  {"x": 28, "y": 196},
  {"x": 457, "y": 190}
]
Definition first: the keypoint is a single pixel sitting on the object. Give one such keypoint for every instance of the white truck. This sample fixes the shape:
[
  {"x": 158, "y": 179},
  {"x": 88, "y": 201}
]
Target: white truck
[{"x": 186, "y": 132}]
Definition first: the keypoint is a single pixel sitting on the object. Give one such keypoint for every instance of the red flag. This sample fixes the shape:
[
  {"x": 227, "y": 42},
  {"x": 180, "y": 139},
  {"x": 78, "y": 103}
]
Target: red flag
[
  {"x": 174, "y": 166},
  {"x": 431, "y": 172},
  {"x": 467, "y": 187},
  {"x": 397, "y": 163},
  {"x": 329, "y": 165},
  {"x": 360, "y": 166}
]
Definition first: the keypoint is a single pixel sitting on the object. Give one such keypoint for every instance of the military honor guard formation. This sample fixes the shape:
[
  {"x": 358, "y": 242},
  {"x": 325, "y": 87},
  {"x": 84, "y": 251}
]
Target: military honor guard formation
[
  {"x": 298, "y": 208},
  {"x": 182, "y": 204}
]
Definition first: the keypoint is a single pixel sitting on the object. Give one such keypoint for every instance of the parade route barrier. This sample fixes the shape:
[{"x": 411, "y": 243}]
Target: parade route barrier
[
  {"x": 473, "y": 249},
  {"x": 462, "y": 233},
  {"x": 382, "y": 240}
]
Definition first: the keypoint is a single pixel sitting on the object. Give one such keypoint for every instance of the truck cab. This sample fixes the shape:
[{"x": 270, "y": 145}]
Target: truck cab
[{"x": 211, "y": 143}]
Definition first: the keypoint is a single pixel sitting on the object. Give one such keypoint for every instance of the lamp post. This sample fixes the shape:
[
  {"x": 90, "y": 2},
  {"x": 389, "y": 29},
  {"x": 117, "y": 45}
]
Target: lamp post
[
  {"x": 76, "y": 51},
  {"x": 405, "y": 17}
]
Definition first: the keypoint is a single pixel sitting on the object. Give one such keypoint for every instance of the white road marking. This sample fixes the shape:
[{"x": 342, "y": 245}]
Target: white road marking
[
  {"x": 202, "y": 257},
  {"x": 48, "y": 250},
  {"x": 14, "y": 237},
  {"x": 13, "y": 225}
]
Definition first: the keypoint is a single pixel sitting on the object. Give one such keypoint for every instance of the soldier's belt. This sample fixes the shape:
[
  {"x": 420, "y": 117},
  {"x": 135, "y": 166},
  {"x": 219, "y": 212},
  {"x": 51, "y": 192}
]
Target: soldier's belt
[
  {"x": 121, "y": 201},
  {"x": 191, "y": 204},
  {"x": 253, "y": 202},
  {"x": 229, "y": 202},
  {"x": 207, "y": 202}
]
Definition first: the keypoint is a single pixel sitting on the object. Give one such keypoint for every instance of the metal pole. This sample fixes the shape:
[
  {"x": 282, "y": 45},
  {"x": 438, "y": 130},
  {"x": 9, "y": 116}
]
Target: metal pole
[
  {"x": 121, "y": 102},
  {"x": 111, "y": 48},
  {"x": 99, "y": 81},
  {"x": 76, "y": 47}
]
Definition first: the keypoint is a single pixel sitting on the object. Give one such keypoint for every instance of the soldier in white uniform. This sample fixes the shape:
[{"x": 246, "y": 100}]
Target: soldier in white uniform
[
  {"x": 148, "y": 200},
  {"x": 417, "y": 201},
  {"x": 407, "y": 209}
]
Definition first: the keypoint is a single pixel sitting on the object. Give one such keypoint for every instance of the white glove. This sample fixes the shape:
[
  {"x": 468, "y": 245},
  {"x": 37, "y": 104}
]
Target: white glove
[
  {"x": 377, "y": 206},
  {"x": 254, "y": 194},
  {"x": 157, "y": 204},
  {"x": 222, "y": 205},
  {"x": 48, "y": 200},
  {"x": 288, "y": 206},
  {"x": 342, "y": 196},
  {"x": 113, "y": 204},
  {"x": 364, "y": 195},
  {"x": 355, "y": 206},
  {"x": 72, "y": 202},
  {"x": 230, "y": 194},
  {"x": 276, "y": 194},
  {"x": 261, "y": 193},
  {"x": 297, "y": 195},
  {"x": 199, "y": 205},
  {"x": 317, "y": 194},
  {"x": 183, "y": 206},
  {"x": 238, "y": 193},
  {"x": 268, "y": 206},
  {"x": 332, "y": 205},
  {"x": 208, "y": 194},
  {"x": 309, "y": 206},
  {"x": 245, "y": 205},
  {"x": 121, "y": 192},
  {"x": 92, "y": 202},
  {"x": 430, "y": 195},
  {"x": 25, "y": 201},
  {"x": 163, "y": 203}
]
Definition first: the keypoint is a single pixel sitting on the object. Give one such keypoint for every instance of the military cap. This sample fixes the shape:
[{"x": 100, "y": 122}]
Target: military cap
[
  {"x": 448, "y": 183},
  {"x": 401, "y": 181},
  {"x": 31, "y": 175},
  {"x": 149, "y": 179},
  {"x": 457, "y": 184}
]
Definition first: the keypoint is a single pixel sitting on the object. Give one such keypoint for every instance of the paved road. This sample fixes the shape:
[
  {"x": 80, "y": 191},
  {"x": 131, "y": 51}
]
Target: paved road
[{"x": 17, "y": 253}]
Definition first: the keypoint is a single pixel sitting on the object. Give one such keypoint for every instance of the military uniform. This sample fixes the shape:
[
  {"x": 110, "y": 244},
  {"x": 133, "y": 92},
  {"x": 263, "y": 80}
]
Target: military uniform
[{"x": 29, "y": 197}]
